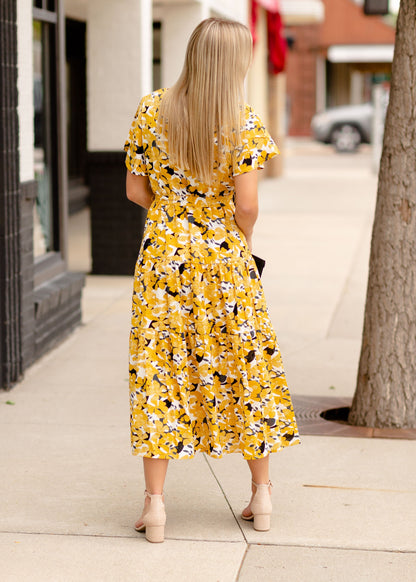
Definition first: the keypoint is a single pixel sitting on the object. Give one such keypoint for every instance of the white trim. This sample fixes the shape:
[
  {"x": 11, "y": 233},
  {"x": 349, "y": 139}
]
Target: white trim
[
  {"x": 146, "y": 45},
  {"x": 302, "y": 11},
  {"x": 361, "y": 53},
  {"x": 25, "y": 88}
]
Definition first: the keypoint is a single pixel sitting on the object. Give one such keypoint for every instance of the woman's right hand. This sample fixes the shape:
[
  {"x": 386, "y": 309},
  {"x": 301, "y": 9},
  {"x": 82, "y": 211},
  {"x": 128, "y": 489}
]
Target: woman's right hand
[{"x": 244, "y": 237}]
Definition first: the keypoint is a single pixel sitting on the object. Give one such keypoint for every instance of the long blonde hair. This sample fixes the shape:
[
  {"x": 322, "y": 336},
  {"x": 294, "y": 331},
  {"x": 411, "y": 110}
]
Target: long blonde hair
[{"x": 208, "y": 96}]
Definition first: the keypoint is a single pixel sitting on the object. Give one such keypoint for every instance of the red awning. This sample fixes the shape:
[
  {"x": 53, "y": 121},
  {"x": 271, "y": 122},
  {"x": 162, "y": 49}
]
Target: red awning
[{"x": 275, "y": 40}]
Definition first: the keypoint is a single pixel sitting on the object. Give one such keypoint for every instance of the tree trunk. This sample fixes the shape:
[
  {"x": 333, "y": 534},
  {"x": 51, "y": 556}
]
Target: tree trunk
[{"x": 386, "y": 386}]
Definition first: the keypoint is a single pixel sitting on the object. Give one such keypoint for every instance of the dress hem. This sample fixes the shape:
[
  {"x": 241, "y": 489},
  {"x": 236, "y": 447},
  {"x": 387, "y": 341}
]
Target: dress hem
[{"x": 209, "y": 453}]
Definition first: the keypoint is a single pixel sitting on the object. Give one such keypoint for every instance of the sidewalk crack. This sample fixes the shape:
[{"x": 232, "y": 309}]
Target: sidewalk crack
[
  {"x": 226, "y": 499},
  {"x": 242, "y": 563}
]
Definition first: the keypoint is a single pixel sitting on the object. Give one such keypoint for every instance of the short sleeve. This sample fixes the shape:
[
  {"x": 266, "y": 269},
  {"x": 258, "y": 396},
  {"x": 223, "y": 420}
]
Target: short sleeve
[
  {"x": 135, "y": 158},
  {"x": 257, "y": 145}
]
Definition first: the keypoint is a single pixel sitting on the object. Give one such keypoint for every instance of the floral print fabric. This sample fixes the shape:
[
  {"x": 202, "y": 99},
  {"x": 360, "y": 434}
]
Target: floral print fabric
[{"x": 205, "y": 369}]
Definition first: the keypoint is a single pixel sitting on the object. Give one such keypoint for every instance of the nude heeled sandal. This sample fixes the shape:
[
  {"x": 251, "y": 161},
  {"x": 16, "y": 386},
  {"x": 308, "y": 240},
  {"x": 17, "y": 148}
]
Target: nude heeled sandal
[
  {"x": 154, "y": 518},
  {"x": 261, "y": 507}
]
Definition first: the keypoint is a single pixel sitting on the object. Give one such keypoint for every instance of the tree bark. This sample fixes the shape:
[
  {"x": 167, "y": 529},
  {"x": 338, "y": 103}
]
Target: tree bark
[{"x": 386, "y": 385}]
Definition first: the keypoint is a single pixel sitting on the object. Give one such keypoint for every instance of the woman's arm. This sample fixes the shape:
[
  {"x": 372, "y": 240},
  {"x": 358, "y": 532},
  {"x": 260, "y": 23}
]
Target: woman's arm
[
  {"x": 246, "y": 203},
  {"x": 138, "y": 190}
]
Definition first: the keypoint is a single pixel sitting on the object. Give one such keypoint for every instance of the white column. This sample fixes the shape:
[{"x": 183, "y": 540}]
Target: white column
[
  {"x": 119, "y": 68},
  {"x": 178, "y": 23},
  {"x": 25, "y": 88},
  {"x": 230, "y": 9},
  {"x": 276, "y": 123},
  {"x": 257, "y": 86},
  {"x": 146, "y": 45}
]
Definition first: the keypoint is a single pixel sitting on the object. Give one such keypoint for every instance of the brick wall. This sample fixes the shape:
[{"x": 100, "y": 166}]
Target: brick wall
[
  {"x": 301, "y": 78},
  {"x": 31, "y": 320},
  {"x": 28, "y": 195},
  {"x": 57, "y": 310},
  {"x": 346, "y": 23},
  {"x": 116, "y": 223},
  {"x": 10, "y": 329}
]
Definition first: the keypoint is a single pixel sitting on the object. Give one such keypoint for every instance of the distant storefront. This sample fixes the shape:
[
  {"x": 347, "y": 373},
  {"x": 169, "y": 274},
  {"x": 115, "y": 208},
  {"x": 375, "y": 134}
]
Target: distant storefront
[{"x": 336, "y": 62}]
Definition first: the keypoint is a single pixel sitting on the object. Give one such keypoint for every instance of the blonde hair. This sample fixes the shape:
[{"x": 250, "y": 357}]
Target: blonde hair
[{"x": 208, "y": 96}]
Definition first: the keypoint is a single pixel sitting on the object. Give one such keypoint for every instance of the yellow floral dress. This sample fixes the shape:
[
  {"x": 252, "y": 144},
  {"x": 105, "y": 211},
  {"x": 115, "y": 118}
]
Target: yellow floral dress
[{"x": 205, "y": 369}]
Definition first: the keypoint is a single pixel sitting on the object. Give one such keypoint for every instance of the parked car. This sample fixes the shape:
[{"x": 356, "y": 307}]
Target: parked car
[{"x": 346, "y": 126}]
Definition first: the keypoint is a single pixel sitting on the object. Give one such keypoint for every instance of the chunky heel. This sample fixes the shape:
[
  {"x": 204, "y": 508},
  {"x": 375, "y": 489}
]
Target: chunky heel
[
  {"x": 261, "y": 522},
  {"x": 155, "y": 533},
  {"x": 153, "y": 518},
  {"x": 260, "y": 507}
]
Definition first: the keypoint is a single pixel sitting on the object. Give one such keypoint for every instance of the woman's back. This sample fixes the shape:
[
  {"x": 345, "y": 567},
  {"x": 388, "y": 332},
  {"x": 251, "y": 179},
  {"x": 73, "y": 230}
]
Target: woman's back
[
  {"x": 148, "y": 153},
  {"x": 190, "y": 218}
]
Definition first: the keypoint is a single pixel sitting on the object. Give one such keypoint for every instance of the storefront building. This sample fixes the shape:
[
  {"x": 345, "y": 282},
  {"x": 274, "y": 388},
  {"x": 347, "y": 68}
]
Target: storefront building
[
  {"x": 336, "y": 62},
  {"x": 71, "y": 75},
  {"x": 40, "y": 299}
]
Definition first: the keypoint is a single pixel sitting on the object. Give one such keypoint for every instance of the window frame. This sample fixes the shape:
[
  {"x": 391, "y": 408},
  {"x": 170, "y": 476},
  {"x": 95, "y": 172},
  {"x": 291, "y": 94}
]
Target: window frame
[{"x": 54, "y": 262}]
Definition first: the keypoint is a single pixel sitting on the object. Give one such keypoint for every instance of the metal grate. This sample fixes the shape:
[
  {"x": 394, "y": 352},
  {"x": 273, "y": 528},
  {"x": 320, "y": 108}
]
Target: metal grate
[{"x": 311, "y": 412}]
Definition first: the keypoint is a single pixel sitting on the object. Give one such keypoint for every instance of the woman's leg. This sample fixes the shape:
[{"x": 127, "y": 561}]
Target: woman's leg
[
  {"x": 154, "y": 474},
  {"x": 260, "y": 474},
  {"x": 259, "y": 469}
]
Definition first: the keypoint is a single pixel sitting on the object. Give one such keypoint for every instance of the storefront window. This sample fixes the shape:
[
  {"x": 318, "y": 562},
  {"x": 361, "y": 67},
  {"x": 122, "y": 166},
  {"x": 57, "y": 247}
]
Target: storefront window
[{"x": 43, "y": 231}]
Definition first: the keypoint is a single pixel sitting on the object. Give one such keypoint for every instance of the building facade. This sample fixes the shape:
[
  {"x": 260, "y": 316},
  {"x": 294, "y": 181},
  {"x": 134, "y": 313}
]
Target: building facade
[
  {"x": 71, "y": 75},
  {"x": 40, "y": 299},
  {"x": 336, "y": 62}
]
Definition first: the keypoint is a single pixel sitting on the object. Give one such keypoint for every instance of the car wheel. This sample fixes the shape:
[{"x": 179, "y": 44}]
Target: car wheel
[{"x": 346, "y": 138}]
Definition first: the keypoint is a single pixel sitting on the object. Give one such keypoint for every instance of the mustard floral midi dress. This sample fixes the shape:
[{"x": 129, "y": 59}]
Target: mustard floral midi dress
[{"x": 205, "y": 369}]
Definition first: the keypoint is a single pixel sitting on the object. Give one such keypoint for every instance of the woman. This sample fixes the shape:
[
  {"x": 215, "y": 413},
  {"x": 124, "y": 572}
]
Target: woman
[{"x": 205, "y": 369}]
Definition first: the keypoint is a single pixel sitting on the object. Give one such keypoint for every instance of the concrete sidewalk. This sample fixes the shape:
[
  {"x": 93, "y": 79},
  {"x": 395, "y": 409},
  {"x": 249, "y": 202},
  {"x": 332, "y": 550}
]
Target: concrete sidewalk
[{"x": 344, "y": 508}]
